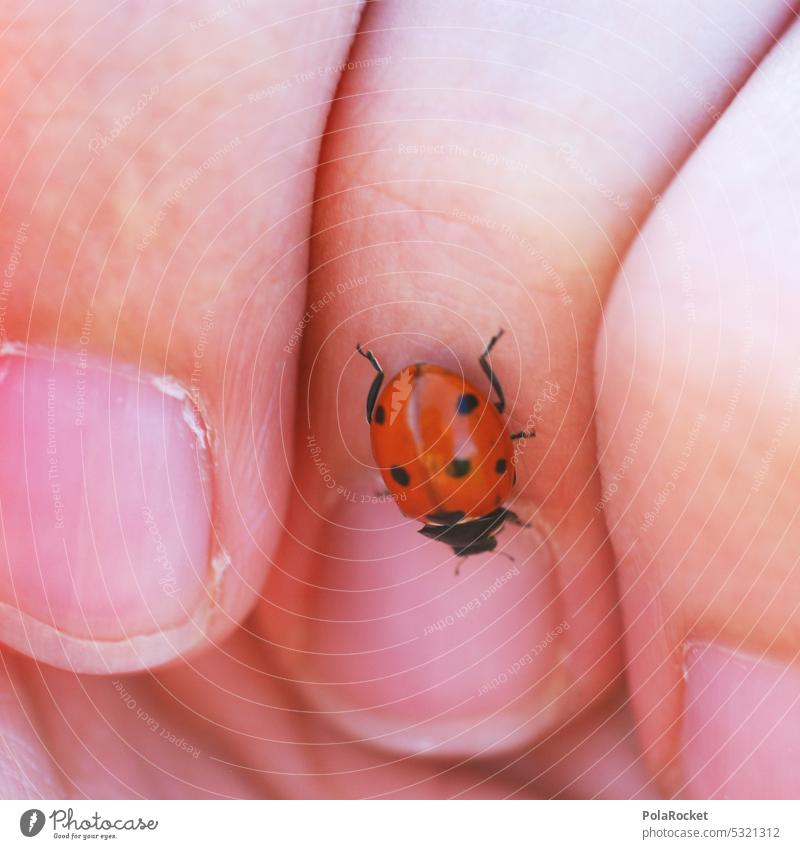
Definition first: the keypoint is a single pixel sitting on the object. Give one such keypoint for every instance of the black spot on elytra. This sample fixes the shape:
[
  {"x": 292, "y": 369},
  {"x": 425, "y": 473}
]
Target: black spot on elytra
[
  {"x": 458, "y": 468},
  {"x": 400, "y": 475},
  {"x": 514, "y": 480},
  {"x": 500, "y": 466},
  {"x": 466, "y": 404},
  {"x": 380, "y": 414}
]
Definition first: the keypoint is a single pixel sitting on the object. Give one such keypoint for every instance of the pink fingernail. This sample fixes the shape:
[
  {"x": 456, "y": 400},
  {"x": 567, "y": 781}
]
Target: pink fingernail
[
  {"x": 741, "y": 726},
  {"x": 104, "y": 514}
]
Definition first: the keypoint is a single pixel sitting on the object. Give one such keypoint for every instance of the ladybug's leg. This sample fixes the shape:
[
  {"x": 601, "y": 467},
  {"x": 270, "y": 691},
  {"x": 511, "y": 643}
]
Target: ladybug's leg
[
  {"x": 376, "y": 384},
  {"x": 487, "y": 370},
  {"x": 523, "y": 434}
]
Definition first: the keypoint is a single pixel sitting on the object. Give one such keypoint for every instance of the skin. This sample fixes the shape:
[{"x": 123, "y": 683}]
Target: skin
[{"x": 474, "y": 168}]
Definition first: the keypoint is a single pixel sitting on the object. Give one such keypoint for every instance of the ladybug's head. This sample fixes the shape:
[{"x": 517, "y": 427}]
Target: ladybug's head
[{"x": 467, "y": 537}]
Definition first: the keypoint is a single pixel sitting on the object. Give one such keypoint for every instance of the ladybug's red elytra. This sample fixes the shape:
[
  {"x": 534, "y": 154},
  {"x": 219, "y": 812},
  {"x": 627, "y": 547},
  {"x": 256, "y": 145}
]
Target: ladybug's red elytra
[{"x": 444, "y": 451}]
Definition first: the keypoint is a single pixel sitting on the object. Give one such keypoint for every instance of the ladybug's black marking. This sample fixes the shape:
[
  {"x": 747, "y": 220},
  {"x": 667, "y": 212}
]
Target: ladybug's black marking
[
  {"x": 500, "y": 466},
  {"x": 447, "y": 517},
  {"x": 400, "y": 475},
  {"x": 466, "y": 404},
  {"x": 458, "y": 468},
  {"x": 380, "y": 414},
  {"x": 514, "y": 481}
]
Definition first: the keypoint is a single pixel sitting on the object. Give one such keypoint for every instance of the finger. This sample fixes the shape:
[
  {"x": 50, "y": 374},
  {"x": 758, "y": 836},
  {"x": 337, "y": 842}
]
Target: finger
[
  {"x": 154, "y": 220},
  {"x": 218, "y": 735},
  {"x": 27, "y": 770},
  {"x": 453, "y": 200},
  {"x": 597, "y": 756},
  {"x": 697, "y": 379}
]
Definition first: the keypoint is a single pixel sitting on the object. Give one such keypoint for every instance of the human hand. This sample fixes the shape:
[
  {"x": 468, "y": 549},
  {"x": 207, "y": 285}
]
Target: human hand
[{"x": 208, "y": 600}]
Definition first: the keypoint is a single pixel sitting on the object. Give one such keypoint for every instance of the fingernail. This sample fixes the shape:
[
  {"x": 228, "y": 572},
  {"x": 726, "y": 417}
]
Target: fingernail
[
  {"x": 741, "y": 726},
  {"x": 397, "y": 649},
  {"x": 104, "y": 487}
]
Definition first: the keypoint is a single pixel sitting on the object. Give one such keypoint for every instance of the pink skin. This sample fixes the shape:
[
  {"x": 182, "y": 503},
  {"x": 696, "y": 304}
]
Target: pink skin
[
  {"x": 742, "y": 720},
  {"x": 131, "y": 554},
  {"x": 179, "y": 187}
]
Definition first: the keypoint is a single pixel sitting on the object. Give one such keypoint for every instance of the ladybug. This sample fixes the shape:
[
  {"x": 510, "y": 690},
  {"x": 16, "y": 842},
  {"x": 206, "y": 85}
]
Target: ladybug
[{"x": 444, "y": 451}]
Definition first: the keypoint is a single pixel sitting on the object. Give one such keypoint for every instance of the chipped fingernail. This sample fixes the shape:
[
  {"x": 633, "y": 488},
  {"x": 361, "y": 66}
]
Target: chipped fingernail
[{"x": 104, "y": 498}]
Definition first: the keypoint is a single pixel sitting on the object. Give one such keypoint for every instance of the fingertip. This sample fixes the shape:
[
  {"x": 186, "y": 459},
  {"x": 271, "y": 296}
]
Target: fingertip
[
  {"x": 110, "y": 561},
  {"x": 382, "y": 636},
  {"x": 741, "y": 725}
]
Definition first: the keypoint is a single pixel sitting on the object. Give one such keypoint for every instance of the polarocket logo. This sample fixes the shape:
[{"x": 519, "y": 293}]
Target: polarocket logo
[{"x": 31, "y": 822}]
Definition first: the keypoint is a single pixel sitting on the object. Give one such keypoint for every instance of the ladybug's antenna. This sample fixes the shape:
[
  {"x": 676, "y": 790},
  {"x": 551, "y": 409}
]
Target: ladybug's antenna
[
  {"x": 487, "y": 370},
  {"x": 376, "y": 384}
]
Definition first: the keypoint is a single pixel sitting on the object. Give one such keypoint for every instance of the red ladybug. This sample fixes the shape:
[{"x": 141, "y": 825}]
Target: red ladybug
[{"x": 444, "y": 451}]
